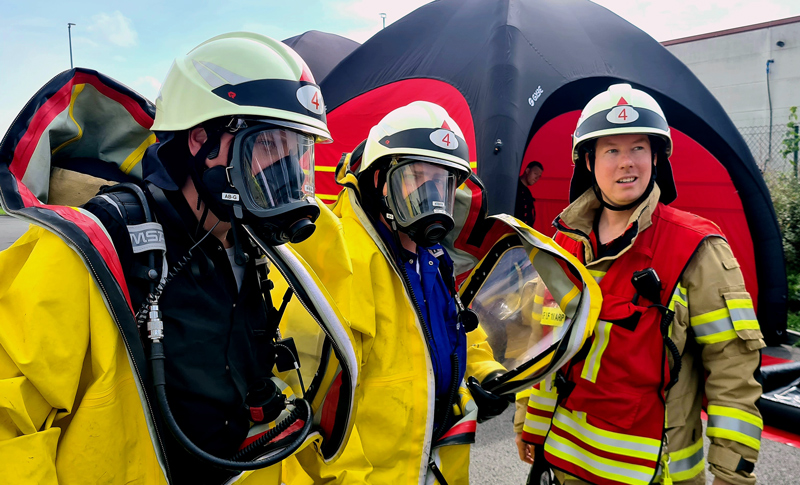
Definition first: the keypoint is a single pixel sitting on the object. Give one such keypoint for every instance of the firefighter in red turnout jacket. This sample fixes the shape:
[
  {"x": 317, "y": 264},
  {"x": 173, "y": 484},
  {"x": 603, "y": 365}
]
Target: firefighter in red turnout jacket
[{"x": 676, "y": 323}]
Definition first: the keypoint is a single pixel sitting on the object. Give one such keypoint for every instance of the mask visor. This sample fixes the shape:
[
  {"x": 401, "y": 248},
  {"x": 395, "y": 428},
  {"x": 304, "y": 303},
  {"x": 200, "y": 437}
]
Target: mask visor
[
  {"x": 417, "y": 189},
  {"x": 278, "y": 167}
]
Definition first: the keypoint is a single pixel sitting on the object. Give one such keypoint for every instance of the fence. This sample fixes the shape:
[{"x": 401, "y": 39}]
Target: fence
[{"x": 766, "y": 152}]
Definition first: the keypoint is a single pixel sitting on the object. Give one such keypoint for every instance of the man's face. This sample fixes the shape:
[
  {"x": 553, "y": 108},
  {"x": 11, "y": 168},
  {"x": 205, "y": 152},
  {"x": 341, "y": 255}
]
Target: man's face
[
  {"x": 532, "y": 175},
  {"x": 622, "y": 167},
  {"x": 415, "y": 174}
]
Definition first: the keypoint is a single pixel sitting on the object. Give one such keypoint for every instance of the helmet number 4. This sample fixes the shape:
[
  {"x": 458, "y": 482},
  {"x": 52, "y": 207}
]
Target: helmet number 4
[
  {"x": 315, "y": 100},
  {"x": 444, "y": 138},
  {"x": 621, "y": 115}
]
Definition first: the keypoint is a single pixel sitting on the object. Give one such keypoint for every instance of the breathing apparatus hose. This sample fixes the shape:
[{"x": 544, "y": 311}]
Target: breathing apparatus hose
[{"x": 157, "y": 359}]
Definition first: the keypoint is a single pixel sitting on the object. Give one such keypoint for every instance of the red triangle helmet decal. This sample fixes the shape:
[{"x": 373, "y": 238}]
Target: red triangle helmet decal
[
  {"x": 306, "y": 75},
  {"x": 445, "y": 126},
  {"x": 621, "y": 101}
]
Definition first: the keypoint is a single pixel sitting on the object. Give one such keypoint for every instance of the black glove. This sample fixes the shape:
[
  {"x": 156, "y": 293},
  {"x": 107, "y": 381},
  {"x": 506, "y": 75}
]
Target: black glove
[{"x": 489, "y": 405}]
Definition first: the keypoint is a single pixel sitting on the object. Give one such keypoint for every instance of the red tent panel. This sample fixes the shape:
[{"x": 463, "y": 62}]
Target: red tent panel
[{"x": 704, "y": 187}]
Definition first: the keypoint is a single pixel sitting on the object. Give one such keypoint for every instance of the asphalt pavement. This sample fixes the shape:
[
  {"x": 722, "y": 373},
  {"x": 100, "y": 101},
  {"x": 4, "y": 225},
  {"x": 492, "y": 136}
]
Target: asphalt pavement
[{"x": 494, "y": 458}]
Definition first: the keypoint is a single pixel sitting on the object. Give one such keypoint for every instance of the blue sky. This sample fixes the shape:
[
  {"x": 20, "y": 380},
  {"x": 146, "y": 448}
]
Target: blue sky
[{"x": 135, "y": 42}]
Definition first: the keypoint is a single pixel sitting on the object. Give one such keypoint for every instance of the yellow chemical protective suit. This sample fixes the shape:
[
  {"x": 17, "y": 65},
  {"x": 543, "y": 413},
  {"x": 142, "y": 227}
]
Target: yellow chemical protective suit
[
  {"x": 391, "y": 441},
  {"x": 73, "y": 372}
]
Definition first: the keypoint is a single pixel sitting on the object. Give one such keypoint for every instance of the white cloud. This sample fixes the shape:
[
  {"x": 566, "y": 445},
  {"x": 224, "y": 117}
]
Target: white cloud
[
  {"x": 116, "y": 28},
  {"x": 148, "y": 85}
]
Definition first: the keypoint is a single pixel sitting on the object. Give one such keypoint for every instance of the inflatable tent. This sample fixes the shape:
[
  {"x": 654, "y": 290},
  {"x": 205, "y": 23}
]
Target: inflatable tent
[
  {"x": 514, "y": 74},
  {"x": 321, "y": 50}
]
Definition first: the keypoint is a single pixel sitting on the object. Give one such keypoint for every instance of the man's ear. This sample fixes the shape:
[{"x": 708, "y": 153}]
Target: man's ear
[
  {"x": 588, "y": 166},
  {"x": 197, "y": 137}
]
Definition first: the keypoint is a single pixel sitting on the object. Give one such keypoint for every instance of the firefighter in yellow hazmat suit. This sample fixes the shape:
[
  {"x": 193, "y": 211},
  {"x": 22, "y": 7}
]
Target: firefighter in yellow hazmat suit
[
  {"x": 139, "y": 341},
  {"x": 420, "y": 377}
]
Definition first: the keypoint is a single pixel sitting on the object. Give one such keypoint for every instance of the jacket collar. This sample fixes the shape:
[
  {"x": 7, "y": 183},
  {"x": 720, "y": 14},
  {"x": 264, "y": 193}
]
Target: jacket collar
[{"x": 577, "y": 220}]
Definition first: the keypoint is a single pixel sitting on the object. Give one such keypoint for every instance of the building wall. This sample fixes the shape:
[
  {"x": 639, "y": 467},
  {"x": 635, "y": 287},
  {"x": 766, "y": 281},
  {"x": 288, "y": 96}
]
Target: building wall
[{"x": 733, "y": 68}]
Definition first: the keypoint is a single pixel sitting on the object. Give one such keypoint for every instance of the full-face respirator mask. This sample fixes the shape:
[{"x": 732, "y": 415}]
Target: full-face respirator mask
[
  {"x": 268, "y": 182},
  {"x": 420, "y": 195}
]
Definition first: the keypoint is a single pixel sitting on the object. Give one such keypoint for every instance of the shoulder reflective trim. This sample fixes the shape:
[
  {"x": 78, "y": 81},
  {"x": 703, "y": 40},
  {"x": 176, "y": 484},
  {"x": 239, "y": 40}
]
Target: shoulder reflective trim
[
  {"x": 633, "y": 446},
  {"x": 742, "y": 313},
  {"x": 735, "y": 425},
  {"x": 591, "y": 364},
  {"x": 538, "y": 299},
  {"x": 713, "y": 327},
  {"x": 602, "y": 467},
  {"x": 597, "y": 275},
  {"x": 680, "y": 295}
]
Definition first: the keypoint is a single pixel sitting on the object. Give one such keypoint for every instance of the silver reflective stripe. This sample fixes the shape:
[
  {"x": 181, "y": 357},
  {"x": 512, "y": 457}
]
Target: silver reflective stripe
[
  {"x": 713, "y": 327},
  {"x": 538, "y": 425},
  {"x": 542, "y": 401},
  {"x": 591, "y": 364},
  {"x": 208, "y": 75},
  {"x": 733, "y": 424},
  {"x": 739, "y": 314},
  {"x": 147, "y": 237},
  {"x": 686, "y": 464},
  {"x": 582, "y": 430},
  {"x": 584, "y": 458}
]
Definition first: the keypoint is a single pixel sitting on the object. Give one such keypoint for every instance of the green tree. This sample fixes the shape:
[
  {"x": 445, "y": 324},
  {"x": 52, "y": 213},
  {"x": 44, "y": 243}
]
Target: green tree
[{"x": 791, "y": 140}]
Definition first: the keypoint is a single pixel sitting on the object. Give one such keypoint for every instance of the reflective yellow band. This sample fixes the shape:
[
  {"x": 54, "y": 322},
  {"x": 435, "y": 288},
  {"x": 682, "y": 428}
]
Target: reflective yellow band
[
  {"x": 600, "y": 466},
  {"x": 687, "y": 463},
  {"x": 523, "y": 394},
  {"x": 597, "y": 275},
  {"x": 322, "y": 168},
  {"x": 536, "y": 424},
  {"x": 735, "y": 425},
  {"x": 680, "y": 295},
  {"x": 713, "y": 327},
  {"x": 591, "y": 365},
  {"x": 622, "y": 444},
  {"x": 742, "y": 314},
  {"x": 544, "y": 403},
  {"x": 327, "y": 196},
  {"x": 538, "y": 299}
]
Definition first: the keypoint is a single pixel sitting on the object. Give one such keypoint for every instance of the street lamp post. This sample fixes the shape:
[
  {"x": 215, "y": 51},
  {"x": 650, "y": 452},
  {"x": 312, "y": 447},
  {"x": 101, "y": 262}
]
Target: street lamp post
[
  {"x": 69, "y": 32},
  {"x": 383, "y": 17}
]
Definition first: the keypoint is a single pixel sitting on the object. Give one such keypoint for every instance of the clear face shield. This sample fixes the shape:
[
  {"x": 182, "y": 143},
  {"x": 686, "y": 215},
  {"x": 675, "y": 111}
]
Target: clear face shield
[
  {"x": 518, "y": 312},
  {"x": 421, "y": 196}
]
